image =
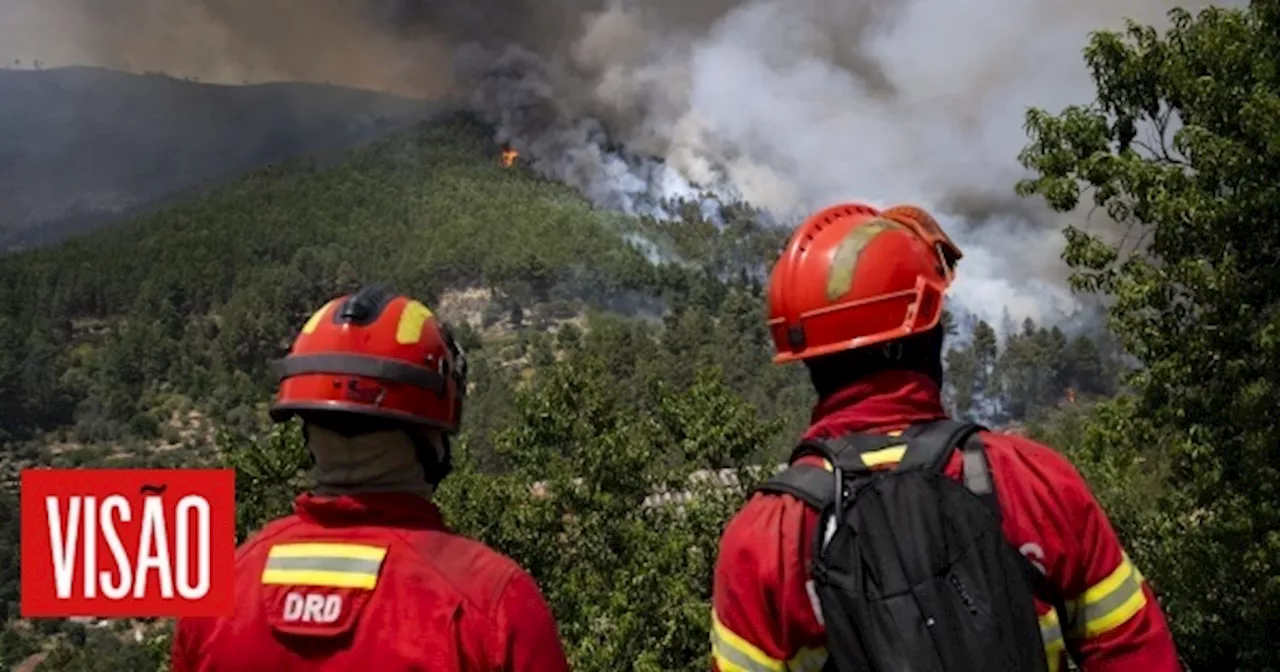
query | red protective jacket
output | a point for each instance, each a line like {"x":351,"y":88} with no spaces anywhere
{"x":765,"y":615}
{"x":373,"y":582}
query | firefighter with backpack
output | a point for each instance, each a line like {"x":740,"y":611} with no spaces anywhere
{"x":897,"y":539}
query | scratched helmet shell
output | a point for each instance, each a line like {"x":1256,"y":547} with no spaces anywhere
{"x":374,"y":353}
{"x":853,"y":276}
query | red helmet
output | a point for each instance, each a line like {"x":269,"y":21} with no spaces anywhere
{"x":374,"y":353}
{"x":853,"y":276}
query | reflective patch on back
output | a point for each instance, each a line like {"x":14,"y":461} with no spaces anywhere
{"x":332,"y":565}
{"x":319,"y":589}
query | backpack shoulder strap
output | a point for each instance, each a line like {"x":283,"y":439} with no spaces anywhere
{"x":815,"y":485}
{"x":844,"y":451}
{"x":810,"y":484}
{"x":929,"y":445}
{"x":976,"y":473}
{"x":977,"y":478}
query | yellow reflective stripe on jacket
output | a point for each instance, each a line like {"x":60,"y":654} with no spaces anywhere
{"x":1054,"y":643}
{"x":1109,"y":603}
{"x":892,"y":454}
{"x":332,"y":565}
{"x":735,"y":654}
{"x":878,"y":457}
{"x":808,"y":660}
{"x":875,"y":458}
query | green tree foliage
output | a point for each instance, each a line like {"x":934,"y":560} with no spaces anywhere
{"x":627,"y":581}
{"x":99,"y":649}
{"x":1181,"y":147}
{"x":1027,"y":376}
{"x":15,"y":647}
{"x":10,"y":557}
{"x":196,"y":298}
{"x":269,"y":473}
{"x":200,"y":295}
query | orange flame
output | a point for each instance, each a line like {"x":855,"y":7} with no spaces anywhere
{"x":509,"y":157}
{"x":1071,"y":395}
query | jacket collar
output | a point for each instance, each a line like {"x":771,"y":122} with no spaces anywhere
{"x":884,"y":401}
{"x":382,"y":509}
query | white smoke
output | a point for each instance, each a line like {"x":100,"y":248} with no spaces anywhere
{"x":792,"y":105}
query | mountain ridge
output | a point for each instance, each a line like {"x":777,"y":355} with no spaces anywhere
{"x":83,"y":147}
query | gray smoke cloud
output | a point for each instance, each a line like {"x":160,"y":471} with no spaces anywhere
{"x":787,"y":104}
{"x":796,"y":104}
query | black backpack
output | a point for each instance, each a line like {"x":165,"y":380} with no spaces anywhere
{"x":918,"y":575}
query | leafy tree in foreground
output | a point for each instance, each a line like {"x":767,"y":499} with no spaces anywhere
{"x":268,"y":475}
{"x":1183,"y":146}
{"x":100,"y":650}
{"x":627,"y":581}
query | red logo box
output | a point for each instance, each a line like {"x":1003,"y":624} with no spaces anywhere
{"x":135,"y":543}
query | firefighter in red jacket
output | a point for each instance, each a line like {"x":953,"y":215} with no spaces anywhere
{"x":857,"y":296}
{"x":364,"y":574}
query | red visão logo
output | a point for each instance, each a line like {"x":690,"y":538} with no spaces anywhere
{"x":128,"y":542}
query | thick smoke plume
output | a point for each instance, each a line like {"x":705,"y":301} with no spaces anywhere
{"x":796,"y":104}
{"x":787,"y":104}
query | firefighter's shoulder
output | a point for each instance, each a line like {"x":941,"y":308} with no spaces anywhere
{"x":259,"y":541}
{"x":1031,"y":460}
{"x":474,"y":571}
{"x":478,"y":573}
{"x":1039,"y":481}
{"x":756,"y":533}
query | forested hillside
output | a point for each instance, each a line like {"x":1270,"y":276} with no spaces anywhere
{"x":615,"y":358}
{"x":149,"y":343}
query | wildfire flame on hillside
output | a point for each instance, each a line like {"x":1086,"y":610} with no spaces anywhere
{"x":509,"y":156}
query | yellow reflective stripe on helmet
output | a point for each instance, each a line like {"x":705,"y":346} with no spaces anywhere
{"x":1054,"y":643}
{"x":332,"y":565}
{"x":844,"y":263}
{"x":314,"y":320}
{"x":735,"y":654}
{"x":412,"y":319}
{"x":1110,"y":602}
